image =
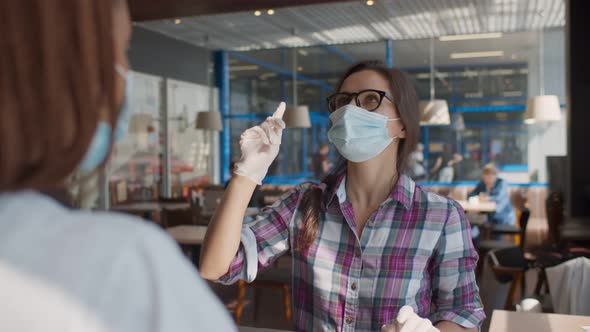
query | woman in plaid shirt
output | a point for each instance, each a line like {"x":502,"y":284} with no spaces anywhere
{"x":371,"y":249}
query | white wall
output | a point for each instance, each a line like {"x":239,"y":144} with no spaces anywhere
{"x":547,"y":139}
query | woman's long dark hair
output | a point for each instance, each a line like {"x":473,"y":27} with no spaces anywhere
{"x":406,"y":102}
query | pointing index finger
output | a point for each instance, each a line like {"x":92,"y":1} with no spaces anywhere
{"x":280,"y":111}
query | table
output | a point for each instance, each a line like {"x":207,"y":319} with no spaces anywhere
{"x":188,"y":235}
{"x":508,"y":321}
{"x":150,"y":206}
{"x":478,"y":207}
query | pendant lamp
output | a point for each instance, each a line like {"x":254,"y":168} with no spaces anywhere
{"x":434,"y":111}
{"x":542,"y":108}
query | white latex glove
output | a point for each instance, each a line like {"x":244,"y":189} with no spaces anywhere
{"x":408,"y":321}
{"x":260,"y":146}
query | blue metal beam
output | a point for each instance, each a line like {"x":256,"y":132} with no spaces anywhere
{"x":389,"y":53}
{"x":496,"y":108}
{"x":488,"y":124}
{"x":222,"y":82}
{"x":332,"y":49}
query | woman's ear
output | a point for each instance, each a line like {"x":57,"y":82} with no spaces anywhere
{"x":402,"y":132}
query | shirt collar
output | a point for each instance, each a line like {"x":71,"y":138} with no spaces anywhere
{"x":403,"y":191}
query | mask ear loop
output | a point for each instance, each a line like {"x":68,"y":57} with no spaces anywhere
{"x":396,"y":119}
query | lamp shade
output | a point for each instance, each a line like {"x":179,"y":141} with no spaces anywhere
{"x":140,"y":123}
{"x":297,"y":117}
{"x":434,"y":112}
{"x":209,"y":120}
{"x":542,"y":109}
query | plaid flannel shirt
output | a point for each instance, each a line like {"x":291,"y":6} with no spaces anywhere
{"x":415,"y":249}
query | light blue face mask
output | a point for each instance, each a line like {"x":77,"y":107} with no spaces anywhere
{"x":101,"y":142}
{"x":359,"y":135}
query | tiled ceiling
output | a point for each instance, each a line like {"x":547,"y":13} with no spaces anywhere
{"x":355,"y":21}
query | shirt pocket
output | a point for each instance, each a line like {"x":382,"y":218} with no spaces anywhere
{"x":402,"y":277}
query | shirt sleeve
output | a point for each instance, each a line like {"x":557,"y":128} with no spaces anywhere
{"x":264,"y":239}
{"x":154,"y":288}
{"x":455,"y":292}
{"x":501,"y":196}
{"x":478,"y":189}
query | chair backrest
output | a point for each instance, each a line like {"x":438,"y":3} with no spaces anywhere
{"x":554,"y":208}
{"x":505,"y":259}
{"x":193,"y":197}
{"x":211,"y":197}
{"x":171,"y":199}
{"x":523,"y":222}
{"x":177,"y":217}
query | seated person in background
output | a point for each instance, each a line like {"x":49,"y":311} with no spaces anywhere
{"x":444,"y":166}
{"x":493,"y":189}
{"x":416,"y":168}
{"x":64,"y":74}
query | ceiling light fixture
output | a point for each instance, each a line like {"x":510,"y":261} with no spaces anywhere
{"x":542,"y":108}
{"x":302,"y":52}
{"x":434,"y":111}
{"x":471,"y":36}
{"x":257,"y":13}
{"x":370,"y":2}
{"x":177,"y":21}
{"x":270,"y":12}
{"x":467,"y":55}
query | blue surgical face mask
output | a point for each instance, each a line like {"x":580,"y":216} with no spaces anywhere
{"x":359,"y":135}
{"x":101,"y":142}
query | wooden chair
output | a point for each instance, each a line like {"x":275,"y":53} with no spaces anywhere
{"x":271,"y":278}
{"x":211,"y":197}
{"x":181,"y":217}
{"x":554,"y":206}
{"x":171,"y":199}
{"x":509,"y":265}
{"x":488,"y":245}
{"x":518,"y":200}
{"x":178,"y":217}
{"x":523,"y":220}
{"x":196,"y":208}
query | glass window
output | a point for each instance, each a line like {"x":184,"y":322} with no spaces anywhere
{"x":135,"y":164}
{"x":191,"y":159}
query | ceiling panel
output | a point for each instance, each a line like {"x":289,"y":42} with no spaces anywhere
{"x":354,"y":21}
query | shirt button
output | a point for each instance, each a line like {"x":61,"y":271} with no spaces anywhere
{"x":353,"y":286}
{"x":348,"y":320}
{"x":357,"y":253}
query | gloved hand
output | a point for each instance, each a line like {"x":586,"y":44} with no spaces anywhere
{"x":260,"y":146}
{"x":408,"y":321}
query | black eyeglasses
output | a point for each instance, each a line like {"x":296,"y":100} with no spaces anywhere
{"x":369,"y":99}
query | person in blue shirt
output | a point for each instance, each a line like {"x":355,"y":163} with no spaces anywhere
{"x":492,"y":188}
{"x":64,"y":84}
